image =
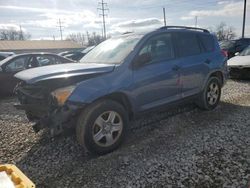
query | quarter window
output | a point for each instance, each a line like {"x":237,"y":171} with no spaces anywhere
{"x":44,"y":60}
{"x":207,"y":42}
{"x":187,"y":44}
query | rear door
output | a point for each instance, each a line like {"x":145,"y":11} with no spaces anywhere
{"x":156,"y":81}
{"x":194,"y":65}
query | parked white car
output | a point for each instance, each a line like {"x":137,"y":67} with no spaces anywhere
{"x":240,"y":64}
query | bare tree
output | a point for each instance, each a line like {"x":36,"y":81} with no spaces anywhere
{"x":88,"y":39}
{"x":224,"y":32}
{"x":77,"y":37}
{"x":12,"y":34}
{"x":95,"y":39}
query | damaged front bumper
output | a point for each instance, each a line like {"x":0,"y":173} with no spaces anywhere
{"x":57,"y":120}
{"x":43,"y":109}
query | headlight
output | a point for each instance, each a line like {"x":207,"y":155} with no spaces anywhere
{"x":62,"y":94}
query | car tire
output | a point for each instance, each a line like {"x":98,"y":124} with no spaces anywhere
{"x":210,"y":96}
{"x":101,"y":126}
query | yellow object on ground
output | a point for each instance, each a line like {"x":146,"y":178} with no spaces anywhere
{"x":12,"y":177}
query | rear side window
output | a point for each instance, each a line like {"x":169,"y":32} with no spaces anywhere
{"x":44,"y":60}
{"x":187,"y":44}
{"x":207,"y":42}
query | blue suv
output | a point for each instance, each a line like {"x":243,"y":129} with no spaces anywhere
{"x":120,"y":78}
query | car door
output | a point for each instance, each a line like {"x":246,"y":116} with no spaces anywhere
{"x":8,"y":81}
{"x":155,"y":82}
{"x":194,"y":65}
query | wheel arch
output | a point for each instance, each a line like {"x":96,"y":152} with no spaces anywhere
{"x":219,"y":75}
{"x":122,"y":99}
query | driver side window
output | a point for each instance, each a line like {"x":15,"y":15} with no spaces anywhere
{"x":159,"y":48}
{"x":16,"y":65}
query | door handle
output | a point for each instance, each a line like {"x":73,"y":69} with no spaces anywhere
{"x":207,"y":61}
{"x":176,"y":68}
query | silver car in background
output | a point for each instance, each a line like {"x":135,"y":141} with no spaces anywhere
{"x":240,"y":64}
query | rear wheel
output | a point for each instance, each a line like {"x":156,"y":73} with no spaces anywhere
{"x":101,"y":127}
{"x":210,"y":96}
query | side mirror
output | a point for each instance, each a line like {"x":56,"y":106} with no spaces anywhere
{"x":237,"y":53}
{"x":142,"y":59}
{"x":1,"y":69}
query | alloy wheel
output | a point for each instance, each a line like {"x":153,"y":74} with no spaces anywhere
{"x":107,"y":128}
{"x":213,"y":93}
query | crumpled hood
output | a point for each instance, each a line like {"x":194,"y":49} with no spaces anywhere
{"x":62,"y":71}
{"x":239,"y":61}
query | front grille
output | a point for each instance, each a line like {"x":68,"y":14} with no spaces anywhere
{"x":35,"y":92}
{"x":30,"y":94}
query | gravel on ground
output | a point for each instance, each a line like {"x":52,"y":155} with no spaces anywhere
{"x":178,"y":147}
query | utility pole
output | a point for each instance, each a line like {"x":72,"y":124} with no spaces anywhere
{"x":244,"y":18}
{"x":21,"y":33}
{"x":164,"y":16}
{"x":60,"y":28}
{"x":196,"y":21}
{"x":103,"y":10}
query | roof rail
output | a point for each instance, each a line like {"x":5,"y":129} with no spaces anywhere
{"x":184,"y":27}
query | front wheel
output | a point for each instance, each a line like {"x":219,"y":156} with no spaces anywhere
{"x":101,"y":127}
{"x":210,"y":96}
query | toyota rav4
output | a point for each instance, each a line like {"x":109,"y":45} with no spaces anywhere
{"x":120,"y":78}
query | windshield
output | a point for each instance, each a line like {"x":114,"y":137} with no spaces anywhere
{"x":111,"y":51}
{"x":245,"y":51}
{"x":226,"y":44}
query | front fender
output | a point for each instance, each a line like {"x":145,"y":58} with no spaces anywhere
{"x":92,"y":89}
{"x":86,"y":92}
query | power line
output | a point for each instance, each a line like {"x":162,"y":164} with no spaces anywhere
{"x":103,"y":9}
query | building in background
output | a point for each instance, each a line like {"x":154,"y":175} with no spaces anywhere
{"x":53,"y":46}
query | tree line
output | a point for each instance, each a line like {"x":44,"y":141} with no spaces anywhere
{"x":89,"y":39}
{"x":222,"y":31}
{"x":13,"y":34}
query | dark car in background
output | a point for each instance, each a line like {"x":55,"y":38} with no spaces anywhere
{"x":16,"y":63}
{"x":76,"y":55}
{"x":4,"y":55}
{"x":234,"y":46}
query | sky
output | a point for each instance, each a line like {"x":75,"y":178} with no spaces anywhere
{"x":41,"y":17}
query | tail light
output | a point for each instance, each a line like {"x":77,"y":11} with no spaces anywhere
{"x":224,"y":53}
